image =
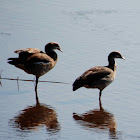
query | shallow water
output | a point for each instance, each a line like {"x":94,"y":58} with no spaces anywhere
{"x":87,"y":32}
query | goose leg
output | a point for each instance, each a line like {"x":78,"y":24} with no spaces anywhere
{"x":36,"y":83}
{"x":36,"y":96}
{"x":100,"y":104}
{"x":37,"y":101}
{"x":100,"y":94}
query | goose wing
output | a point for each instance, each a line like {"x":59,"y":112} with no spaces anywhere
{"x":39,"y":64}
{"x":91,"y":76}
{"x":40,"y":59}
{"x":28,"y":50}
{"x":95,"y":73}
{"x":26,"y":53}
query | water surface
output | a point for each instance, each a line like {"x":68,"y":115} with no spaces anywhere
{"x":87,"y":32}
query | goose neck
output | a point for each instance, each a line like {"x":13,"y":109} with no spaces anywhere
{"x":111,"y":63}
{"x":52,"y":54}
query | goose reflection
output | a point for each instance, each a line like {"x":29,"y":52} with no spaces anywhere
{"x":33,"y":117}
{"x":99,"y":119}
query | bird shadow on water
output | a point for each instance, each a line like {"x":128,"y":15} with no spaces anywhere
{"x":34,"y":117}
{"x":98,"y":120}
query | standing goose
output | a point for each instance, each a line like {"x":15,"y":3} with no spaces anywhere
{"x":99,"y":76}
{"x":34,"y":61}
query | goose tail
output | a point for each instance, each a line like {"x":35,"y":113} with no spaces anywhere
{"x":12,"y":61}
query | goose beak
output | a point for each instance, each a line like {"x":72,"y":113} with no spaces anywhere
{"x":60,"y":50}
{"x":123,"y":58}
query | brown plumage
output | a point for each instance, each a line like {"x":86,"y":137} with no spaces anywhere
{"x":36,"y":62}
{"x":100,"y":76}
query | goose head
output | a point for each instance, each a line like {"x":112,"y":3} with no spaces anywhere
{"x":114,"y":55}
{"x":52,"y":46}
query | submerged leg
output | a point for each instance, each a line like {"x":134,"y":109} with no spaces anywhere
{"x":100,"y":94}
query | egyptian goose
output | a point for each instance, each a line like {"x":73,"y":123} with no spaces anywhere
{"x":34,"y":61}
{"x":100,"y":76}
